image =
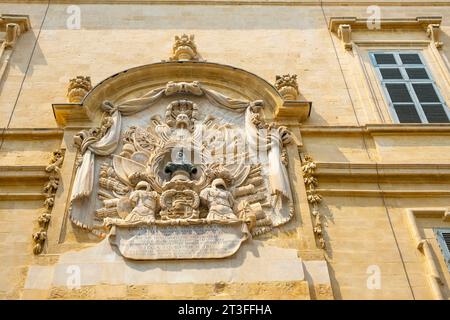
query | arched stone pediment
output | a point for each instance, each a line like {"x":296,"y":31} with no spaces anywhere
{"x":134,"y":82}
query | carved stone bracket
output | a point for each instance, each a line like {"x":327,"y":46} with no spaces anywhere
{"x":345,"y":34}
{"x":345,"y":26}
{"x":50,"y":189}
{"x":13,"y":26}
{"x":433,"y":32}
{"x":314,"y":199}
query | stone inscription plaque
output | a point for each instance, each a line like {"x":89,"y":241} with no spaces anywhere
{"x":203,"y":241}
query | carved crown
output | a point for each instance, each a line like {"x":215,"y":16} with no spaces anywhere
{"x":78,"y":88}
{"x":287,"y":86}
{"x":184,"y":48}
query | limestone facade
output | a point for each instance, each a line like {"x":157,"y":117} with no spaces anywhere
{"x":368,"y":193}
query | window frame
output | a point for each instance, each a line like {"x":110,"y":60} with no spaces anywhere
{"x":445,"y":250}
{"x":408,"y":83}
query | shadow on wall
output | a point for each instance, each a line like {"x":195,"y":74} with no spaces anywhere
{"x":20,"y":58}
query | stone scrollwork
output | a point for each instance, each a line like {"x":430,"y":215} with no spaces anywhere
{"x":311,"y":183}
{"x":50,"y":188}
{"x":185,"y":173}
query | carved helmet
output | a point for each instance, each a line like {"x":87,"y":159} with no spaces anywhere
{"x":142,"y":185}
{"x":217,"y":182}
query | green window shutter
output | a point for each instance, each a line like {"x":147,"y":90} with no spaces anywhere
{"x":443,"y":239}
{"x":407,"y":113}
{"x":425,"y":92}
{"x":410,"y":58}
{"x":385,"y":58}
{"x":417,"y":73}
{"x":398,"y":92}
{"x":391,"y":73}
{"x":435,"y":113}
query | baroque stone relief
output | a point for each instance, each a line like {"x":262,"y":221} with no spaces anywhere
{"x":54,"y":174}
{"x":166,"y":179}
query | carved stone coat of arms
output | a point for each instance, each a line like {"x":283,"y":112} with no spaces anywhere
{"x":181,"y":172}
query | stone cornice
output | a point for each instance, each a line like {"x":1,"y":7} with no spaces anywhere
{"x":362,"y":3}
{"x":31,"y":176}
{"x":385,"y":193}
{"x":401,"y":170}
{"x":404,"y":23}
{"x":31,"y":134}
{"x":23,"y":172}
{"x":344,"y":26}
{"x":378,"y":129}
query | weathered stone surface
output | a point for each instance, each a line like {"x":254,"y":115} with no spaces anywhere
{"x":179,"y":242}
{"x":370,"y":171}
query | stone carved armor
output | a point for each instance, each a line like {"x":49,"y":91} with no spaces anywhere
{"x":145,"y":203}
{"x":220,"y":201}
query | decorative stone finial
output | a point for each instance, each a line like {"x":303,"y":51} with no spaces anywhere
{"x":287,"y":86}
{"x":184,"y":49}
{"x":78,"y":88}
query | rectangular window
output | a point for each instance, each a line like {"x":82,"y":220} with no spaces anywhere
{"x":409,"y":88}
{"x":443,"y":238}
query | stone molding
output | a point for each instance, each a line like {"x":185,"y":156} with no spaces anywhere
{"x":378,"y":129}
{"x":360,"y":170}
{"x":344,"y":26}
{"x":357,"y":3}
{"x":215,"y":75}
